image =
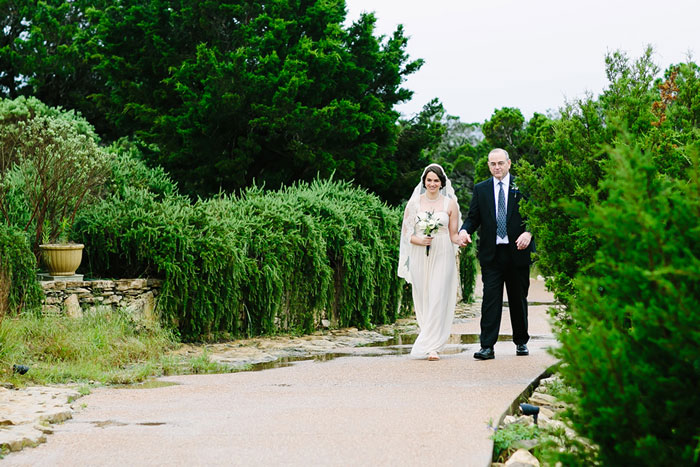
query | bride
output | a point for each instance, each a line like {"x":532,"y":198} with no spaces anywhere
{"x":429,"y":243}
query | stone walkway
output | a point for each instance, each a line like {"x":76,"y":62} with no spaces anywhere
{"x":26,"y":415}
{"x":379,"y":407}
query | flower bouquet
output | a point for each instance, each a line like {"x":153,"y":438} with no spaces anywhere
{"x":428,"y":224}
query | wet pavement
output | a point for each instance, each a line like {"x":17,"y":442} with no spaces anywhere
{"x":350,"y":405}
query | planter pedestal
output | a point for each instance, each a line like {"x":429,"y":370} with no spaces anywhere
{"x":45,"y":277}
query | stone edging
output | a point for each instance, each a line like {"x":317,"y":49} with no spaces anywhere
{"x":27,"y":414}
{"x":72,"y":298}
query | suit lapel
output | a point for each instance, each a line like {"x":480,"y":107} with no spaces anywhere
{"x":491,"y":199}
{"x":511,"y":200}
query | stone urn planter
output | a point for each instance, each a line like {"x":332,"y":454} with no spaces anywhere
{"x":62,"y":259}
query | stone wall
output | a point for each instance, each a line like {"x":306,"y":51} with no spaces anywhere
{"x":72,"y":298}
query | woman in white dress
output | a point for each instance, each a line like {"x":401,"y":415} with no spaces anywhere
{"x":429,"y":244}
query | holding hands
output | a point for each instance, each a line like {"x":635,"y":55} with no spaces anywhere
{"x":522,"y":242}
{"x":464,"y":238}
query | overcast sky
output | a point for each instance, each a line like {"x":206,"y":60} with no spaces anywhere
{"x":482,"y":55}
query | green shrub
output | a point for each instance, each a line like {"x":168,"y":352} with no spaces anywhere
{"x":50,"y":165}
{"x":128,"y":169}
{"x":468,"y":270}
{"x":19,"y":289}
{"x":261,"y":262}
{"x":631,"y":350}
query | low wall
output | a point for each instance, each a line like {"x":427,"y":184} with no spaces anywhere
{"x":72,"y":298}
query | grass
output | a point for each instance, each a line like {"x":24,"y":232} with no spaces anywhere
{"x":509,"y":434}
{"x":105,"y":347}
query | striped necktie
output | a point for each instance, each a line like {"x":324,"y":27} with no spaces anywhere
{"x":501,"y":215}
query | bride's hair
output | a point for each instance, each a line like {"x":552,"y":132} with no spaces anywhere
{"x":437,"y":170}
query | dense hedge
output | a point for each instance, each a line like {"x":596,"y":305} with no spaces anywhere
{"x":632,"y":346}
{"x":19,"y":288}
{"x":261,"y":262}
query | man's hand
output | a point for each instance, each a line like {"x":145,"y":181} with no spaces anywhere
{"x":464,"y":238}
{"x":523,"y":240}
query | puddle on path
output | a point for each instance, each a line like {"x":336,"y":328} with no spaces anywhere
{"x":110,"y":423}
{"x":409,"y":339}
{"x":150,"y":384}
{"x":399,"y":345}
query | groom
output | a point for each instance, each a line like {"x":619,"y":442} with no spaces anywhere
{"x":504,"y":253}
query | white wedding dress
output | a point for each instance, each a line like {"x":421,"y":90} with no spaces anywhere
{"x":434,"y":280}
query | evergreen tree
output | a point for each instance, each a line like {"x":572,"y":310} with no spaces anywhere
{"x":573,"y":151}
{"x":631,"y":349}
{"x":416,"y":137}
{"x":220,"y":93}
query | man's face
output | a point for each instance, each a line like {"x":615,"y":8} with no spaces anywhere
{"x":499,"y":165}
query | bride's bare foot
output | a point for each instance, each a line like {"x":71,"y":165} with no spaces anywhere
{"x":433,"y":357}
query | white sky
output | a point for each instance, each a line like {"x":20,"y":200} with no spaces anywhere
{"x":481,"y":55}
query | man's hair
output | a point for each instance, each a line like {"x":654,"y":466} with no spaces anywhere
{"x":495,"y":150}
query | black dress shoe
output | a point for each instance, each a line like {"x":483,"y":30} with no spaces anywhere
{"x":522,"y":350}
{"x":486,"y":353}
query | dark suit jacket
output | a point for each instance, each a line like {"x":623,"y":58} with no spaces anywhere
{"x":482,"y":213}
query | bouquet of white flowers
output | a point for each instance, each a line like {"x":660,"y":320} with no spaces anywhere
{"x":428,"y":224}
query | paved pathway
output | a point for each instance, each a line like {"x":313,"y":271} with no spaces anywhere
{"x":387,"y":410}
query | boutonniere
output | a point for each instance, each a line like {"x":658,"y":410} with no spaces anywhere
{"x":516,"y":192}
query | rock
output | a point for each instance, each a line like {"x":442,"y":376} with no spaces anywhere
{"x":547,"y":413}
{"x":72,"y":308}
{"x":130,"y":284}
{"x":20,"y":437}
{"x":26,"y":414}
{"x":112,"y":299}
{"x":50,"y":310}
{"x":526,"y":444}
{"x":548,"y":381}
{"x":538,"y":398}
{"x":44,"y":429}
{"x":558,"y":424}
{"x":522,"y":458}
{"x":143,"y":308}
{"x":525,"y":420}
{"x":149,"y":307}
{"x":56,"y":415}
{"x":508,"y":419}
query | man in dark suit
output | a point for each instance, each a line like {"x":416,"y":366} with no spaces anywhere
{"x":504,"y":253}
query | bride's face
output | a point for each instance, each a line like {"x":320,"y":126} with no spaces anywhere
{"x":432,"y":183}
